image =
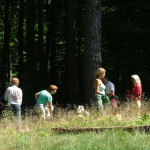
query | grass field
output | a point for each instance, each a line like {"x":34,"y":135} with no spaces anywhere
{"x":44,"y":140}
{"x":40,"y":136}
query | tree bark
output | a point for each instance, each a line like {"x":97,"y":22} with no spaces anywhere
{"x":53,"y":40}
{"x":41,"y":52}
{"x":80,"y":43}
{"x":71,"y":53}
{"x":6,"y":58}
{"x":30,"y":66}
{"x":92,"y":56}
{"x":20,"y":39}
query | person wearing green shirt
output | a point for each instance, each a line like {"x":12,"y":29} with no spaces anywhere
{"x":44,"y":100}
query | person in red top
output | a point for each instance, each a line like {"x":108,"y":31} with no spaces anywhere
{"x":136,"y":92}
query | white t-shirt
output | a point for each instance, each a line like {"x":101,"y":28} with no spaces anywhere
{"x":13,"y":95}
{"x":109,"y":87}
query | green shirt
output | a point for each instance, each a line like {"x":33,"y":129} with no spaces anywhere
{"x":44,"y":97}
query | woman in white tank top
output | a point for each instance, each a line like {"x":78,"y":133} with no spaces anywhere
{"x":99,"y":87}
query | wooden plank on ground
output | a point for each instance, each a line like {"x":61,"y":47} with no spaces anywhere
{"x":144,"y":128}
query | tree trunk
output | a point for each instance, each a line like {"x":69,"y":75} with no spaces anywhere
{"x":43,"y":64}
{"x":30,"y":68}
{"x":80,"y":43}
{"x":71,"y":53}
{"x":92,"y":57}
{"x":53,"y":40}
{"x":41,"y":53}
{"x":20,"y":39}
{"x":6,"y":58}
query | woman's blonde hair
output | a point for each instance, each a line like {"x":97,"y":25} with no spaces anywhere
{"x":100,"y":71}
{"x":136,"y":78}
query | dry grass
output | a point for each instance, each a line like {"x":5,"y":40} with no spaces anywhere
{"x":40,"y":136}
{"x":70,"y":118}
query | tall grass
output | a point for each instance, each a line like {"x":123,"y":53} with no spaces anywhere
{"x":40,"y":136}
{"x":44,"y":140}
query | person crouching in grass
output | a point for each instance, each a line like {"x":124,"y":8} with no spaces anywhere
{"x":110,"y":92}
{"x":44,"y":101}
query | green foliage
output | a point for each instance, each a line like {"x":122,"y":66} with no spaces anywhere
{"x":124,"y":43}
{"x":110,"y":140}
{"x":144,"y":119}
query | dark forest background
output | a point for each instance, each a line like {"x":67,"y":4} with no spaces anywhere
{"x":63,"y":42}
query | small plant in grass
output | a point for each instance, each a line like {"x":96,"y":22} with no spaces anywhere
{"x":143,"y":120}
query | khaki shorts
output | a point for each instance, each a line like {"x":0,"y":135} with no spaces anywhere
{"x":136,"y":103}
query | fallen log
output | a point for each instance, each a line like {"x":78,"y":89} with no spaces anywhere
{"x":143,"y":128}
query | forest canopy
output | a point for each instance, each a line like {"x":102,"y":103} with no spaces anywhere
{"x":63,"y":42}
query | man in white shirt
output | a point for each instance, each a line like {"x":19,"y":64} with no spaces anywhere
{"x":110,"y":88}
{"x":110,"y":92}
{"x":13,"y":95}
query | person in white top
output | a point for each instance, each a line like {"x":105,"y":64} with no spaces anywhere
{"x":110,"y":88}
{"x":13,"y":95}
{"x":99,"y":87}
{"x":110,"y":92}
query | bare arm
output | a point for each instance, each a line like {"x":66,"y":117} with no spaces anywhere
{"x":112,"y":93}
{"x":6,"y":95}
{"x":49,"y":105}
{"x":2,"y":104}
{"x":37,"y":95}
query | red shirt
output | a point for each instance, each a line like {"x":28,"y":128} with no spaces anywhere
{"x":137,"y":91}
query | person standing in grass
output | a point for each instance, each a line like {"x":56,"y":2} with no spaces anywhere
{"x":136,"y":92}
{"x":99,"y":87}
{"x":44,"y":100}
{"x":13,"y":95}
{"x":110,"y":92}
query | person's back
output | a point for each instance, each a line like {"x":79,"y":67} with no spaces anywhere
{"x":44,"y":101}
{"x":13,"y":95}
{"x":44,"y":97}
